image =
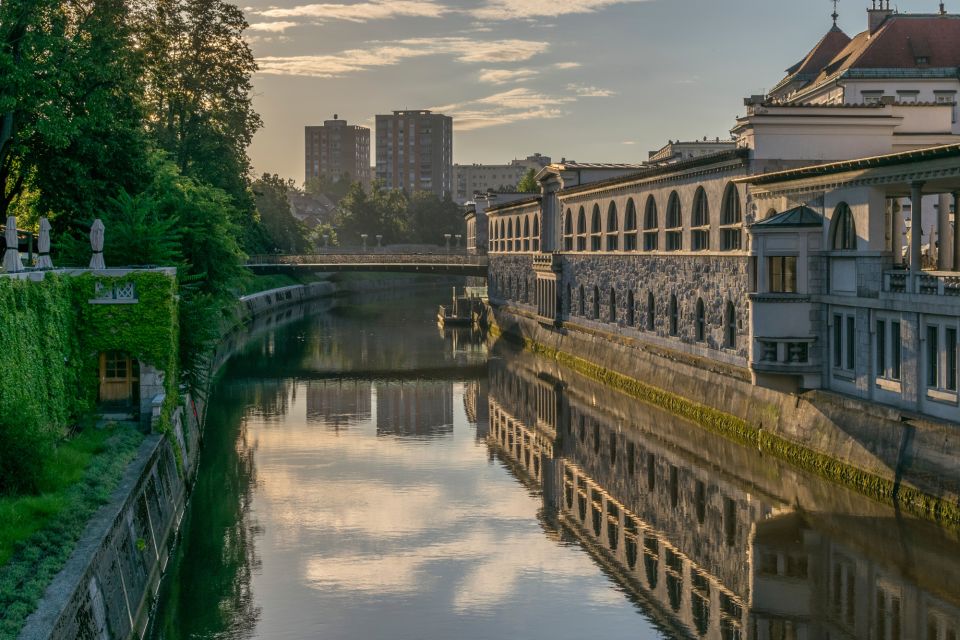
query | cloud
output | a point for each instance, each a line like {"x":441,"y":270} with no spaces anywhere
{"x":590,"y":92}
{"x":566,"y":65}
{"x":628,"y":142}
{"x":359,"y":12}
{"x":384,"y":54}
{"x":506,"y":107}
{"x":503,"y":76}
{"x":271,"y":27}
{"x":514,"y":9}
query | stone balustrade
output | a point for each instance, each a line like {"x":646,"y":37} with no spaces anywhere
{"x":933,"y":283}
{"x":442,"y":257}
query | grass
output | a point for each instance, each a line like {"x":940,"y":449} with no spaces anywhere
{"x":38,"y":533}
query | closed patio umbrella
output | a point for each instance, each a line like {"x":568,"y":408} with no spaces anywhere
{"x":96,"y":243}
{"x":11,"y":257}
{"x":43,"y":246}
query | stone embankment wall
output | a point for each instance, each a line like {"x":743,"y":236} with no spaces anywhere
{"x":873,"y":449}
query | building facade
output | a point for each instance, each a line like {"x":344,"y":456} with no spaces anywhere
{"x":787,"y":257}
{"x":470,"y":179}
{"x":336,"y":150}
{"x":415,"y":152}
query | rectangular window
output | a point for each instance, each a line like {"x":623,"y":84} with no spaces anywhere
{"x":783,"y":274}
{"x":933,"y":353}
{"x":881,"y":338}
{"x":951,"y":353}
{"x":851,"y":342}
{"x":837,"y":340}
{"x":895,"y":350}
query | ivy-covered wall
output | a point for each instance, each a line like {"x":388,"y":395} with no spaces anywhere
{"x":50,"y":341}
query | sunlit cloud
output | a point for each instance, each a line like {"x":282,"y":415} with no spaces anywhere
{"x":359,"y":12}
{"x":385,"y":54}
{"x":566,"y":65}
{"x":515,"y":105}
{"x":271,"y":27}
{"x":590,"y":92}
{"x":514,"y":9}
{"x":503,"y":76}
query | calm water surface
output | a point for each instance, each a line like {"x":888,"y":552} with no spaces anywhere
{"x":366,"y":476}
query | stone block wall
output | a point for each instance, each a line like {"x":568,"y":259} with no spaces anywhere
{"x":512,"y":279}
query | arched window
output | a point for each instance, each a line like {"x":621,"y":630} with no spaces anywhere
{"x":731,"y":220}
{"x":843,"y":231}
{"x":651,"y":311}
{"x":510,"y":235}
{"x":596,"y":303}
{"x":613,"y":228}
{"x":674,"y":226}
{"x":729,"y":326}
{"x":535,"y":240}
{"x":700,"y":223}
{"x":674,"y":315}
{"x":701,"y":321}
{"x":630,"y":227}
{"x":568,"y":231}
{"x":631,"y":311}
{"x":613,"y":306}
{"x":651,"y":227}
{"x":581,"y":230}
{"x":596,"y":229}
{"x":526,"y":233}
{"x":583,"y":302}
{"x":503,"y":236}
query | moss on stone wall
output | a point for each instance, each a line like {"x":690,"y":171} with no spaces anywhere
{"x":735,"y":428}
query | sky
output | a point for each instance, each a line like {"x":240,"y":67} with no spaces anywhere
{"x":588,"y":80}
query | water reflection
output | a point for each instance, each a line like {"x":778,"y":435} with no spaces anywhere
{"x":708,"y":538}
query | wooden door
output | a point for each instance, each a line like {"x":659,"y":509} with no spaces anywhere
{"x":119,"y":379}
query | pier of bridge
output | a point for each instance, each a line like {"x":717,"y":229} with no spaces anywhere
{"x":456,"y":264}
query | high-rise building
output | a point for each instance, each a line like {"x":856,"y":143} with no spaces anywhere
{"x":337,"y":149}
{"x":415,"y":151}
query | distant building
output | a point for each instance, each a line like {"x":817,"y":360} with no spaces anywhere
{"x":312,"y":210}
{"x":415,"y":151}
{"x":677,"y":150}
{"x":469,"y":179}
{"x":337,"y":149}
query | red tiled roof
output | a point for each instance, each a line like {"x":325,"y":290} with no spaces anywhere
{"x":826,"y":50}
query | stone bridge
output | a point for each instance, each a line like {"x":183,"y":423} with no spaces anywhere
{"x":452,"y":263}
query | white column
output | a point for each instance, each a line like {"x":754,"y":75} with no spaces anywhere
{"x":944,"y":254}
{"x":916,"y":228}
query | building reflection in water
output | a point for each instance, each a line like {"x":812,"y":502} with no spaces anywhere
{"x":337,"y":404}
{"x":420,"y":408}
{"x":708,"y":538}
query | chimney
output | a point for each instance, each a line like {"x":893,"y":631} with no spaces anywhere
{"x":877,"y":14}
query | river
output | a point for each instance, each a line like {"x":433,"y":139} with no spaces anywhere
{"x":366,"y":475}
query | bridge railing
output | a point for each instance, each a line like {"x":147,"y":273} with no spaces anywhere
{"x":451,"y":258}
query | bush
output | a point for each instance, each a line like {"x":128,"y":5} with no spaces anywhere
{"x":23,"y":451}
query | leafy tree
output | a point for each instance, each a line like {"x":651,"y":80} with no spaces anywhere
{"x":379,"y":212}
{"x":528,"y":183}
{"x":335,"y":189}
{"x":139,"y":234}
{"x":286,"y":233}
{"x":430,"y":217}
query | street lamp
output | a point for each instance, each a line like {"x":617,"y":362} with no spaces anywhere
{"x":458,"y":236}
{"x":326,"y":239}
{"x":379,"y":238}
{"x":447,"y":236}
{"x":363,"y":237}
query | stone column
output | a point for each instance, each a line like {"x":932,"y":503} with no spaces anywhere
{"x":916,"y":228}
{"x":956,"y":230}
{"x":897,"y":232}
{"x":944,"y":254}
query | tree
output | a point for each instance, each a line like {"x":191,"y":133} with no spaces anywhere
{"x":430,"y":217}
{"x":286,"y":233}
{"x":528,"y":183}
{"x":335,"y":189}
{"x":380,"y":212}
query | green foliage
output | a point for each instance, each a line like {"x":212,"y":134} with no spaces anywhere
{"x":528,"y":183}
{"x":430,"y":217}
{"x":335,"y":189}
{"x":422,"y":218}
{"x":64,"y":513}
{"x":139,"y":235}
{"x":286,"y":233}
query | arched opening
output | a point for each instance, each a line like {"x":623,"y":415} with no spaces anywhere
{"x":526,"y":290}
{"x":510,"y":235}
{"x":700,"y":222}
{"x":651,"y":227}
{"x":581,"y":230}
{"x":700,"y":321}
{"x":731,"y":220}
{"x":526,"y":233}
{"x":596,"y":229}
{"x":651,"y":311}
{"x":583,"y":303}
{"x":630,"y":308}
{"x":596,"y":303}
{"x":568,"y":302}
{"x":568,"y":231}
{"x":535,"y":240}
{"x":674,"y":315}
{"x":729,"y":326}
{"x":119,"y":382}
{"x":630,"y":227}
{"x":612,"y":317}
{"x":843,"y":231}
{"x":674,"y":224}
{"x":613,"y":228}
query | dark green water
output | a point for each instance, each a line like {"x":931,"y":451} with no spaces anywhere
{"x":366,"y":476}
